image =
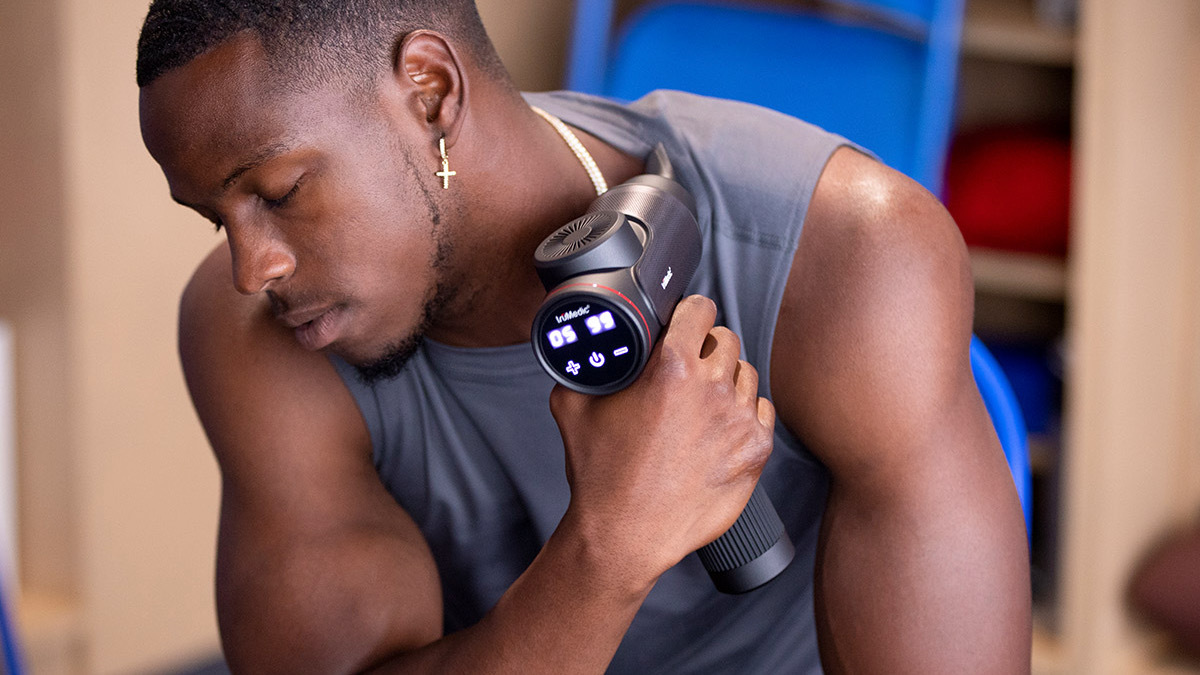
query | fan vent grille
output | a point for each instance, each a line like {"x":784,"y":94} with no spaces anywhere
{"x":576,"y":235}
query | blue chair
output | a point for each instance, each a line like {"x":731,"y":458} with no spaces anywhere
{"x":880,"y":73}
{"x":1002,"y":406}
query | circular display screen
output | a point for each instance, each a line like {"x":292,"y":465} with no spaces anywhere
{"x":589,"y":343}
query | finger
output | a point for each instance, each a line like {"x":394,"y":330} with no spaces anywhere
{"x":721,"y":351}
{"x":693,"y":318}
{"x":722,"y":341}
{"x":766,"y":413}
{"x":746,"y":381}
{"x":710,"y":343}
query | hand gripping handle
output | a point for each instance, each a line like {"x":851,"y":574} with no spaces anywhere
{"x":752,"y":552}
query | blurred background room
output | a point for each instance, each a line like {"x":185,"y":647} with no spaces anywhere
{"x":1073,"y":169}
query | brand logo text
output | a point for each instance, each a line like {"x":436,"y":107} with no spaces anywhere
{"x":574,"y":314}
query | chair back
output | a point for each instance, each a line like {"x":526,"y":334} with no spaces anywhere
{"x":1003,"y":408}
{"x":880,"y":73}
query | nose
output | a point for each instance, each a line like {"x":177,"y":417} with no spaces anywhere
{"x":260,"y":260}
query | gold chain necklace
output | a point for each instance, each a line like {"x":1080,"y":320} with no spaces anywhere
{"x":581,"y":153}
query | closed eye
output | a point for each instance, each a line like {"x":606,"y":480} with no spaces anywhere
{"x":205,"y":213}
{"x":280,"y":202}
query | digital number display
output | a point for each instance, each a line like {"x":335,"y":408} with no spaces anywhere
{"x":589,"y":343}
{"x":601,"y":322}
{"x":564,"y":336}
{"x":596,"y":324}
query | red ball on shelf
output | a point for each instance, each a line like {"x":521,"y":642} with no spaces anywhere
{"x":1011,"y":189}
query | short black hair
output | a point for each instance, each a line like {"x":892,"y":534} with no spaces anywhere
{"x":312,"y":39}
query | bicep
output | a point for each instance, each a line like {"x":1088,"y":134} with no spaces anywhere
{"x":318,"y":568}
{"x":871,"y":362}
{"x":875,"y":324}
{"x":922,"y":535}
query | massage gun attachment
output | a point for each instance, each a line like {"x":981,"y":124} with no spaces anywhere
{"x":613,"y":277}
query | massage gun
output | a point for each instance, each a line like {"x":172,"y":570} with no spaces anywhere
{"x":614,"y":276}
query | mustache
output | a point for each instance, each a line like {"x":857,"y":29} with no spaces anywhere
{"x":281,"y":305}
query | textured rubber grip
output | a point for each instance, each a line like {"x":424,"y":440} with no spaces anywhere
{"x":752,"y":552}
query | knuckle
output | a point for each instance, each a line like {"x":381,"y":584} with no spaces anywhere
{"x":756,"y":451}
{"x":726,"y":337}
{"x":721,"y":389}
{"x":747,"y":382}
{"x":722,"y":333}
{"x":766,"y":416}
{"x":747,"y":371}
{"x":758,"y":460}
{"x":667,"y":375}
{"x":672,"y":362}
{"x":767,"y":410}
{"x":749,"y":460}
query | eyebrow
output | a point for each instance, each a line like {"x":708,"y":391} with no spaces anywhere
{"x":265,"y":155}
{"x":262,"y":157}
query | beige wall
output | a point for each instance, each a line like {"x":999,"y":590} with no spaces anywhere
{"x":32,"y":281}
{"x":1134,"y":440}
{"x":531,"y":36}
{"x":147,"y":483}
{"x":118,"y":492}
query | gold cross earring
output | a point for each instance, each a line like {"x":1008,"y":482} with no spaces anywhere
{"x":445,"y":173}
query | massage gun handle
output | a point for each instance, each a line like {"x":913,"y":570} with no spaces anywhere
{"x":752,"y":552}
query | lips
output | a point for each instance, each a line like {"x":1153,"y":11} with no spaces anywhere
{"x":319,"y":331}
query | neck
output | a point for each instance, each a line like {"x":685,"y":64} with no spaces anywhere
{"x":521,"y":182}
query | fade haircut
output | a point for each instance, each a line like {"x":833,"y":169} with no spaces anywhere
{"x":314,"y":41}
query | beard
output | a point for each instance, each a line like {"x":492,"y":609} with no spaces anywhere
{"x":392,"y":362}
{"x":397,"y":354}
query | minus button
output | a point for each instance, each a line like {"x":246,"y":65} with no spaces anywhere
{"x":621,"y":351}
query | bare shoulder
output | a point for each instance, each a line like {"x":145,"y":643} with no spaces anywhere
{"x":217,"y":324}
{"x":247,"y":375}
{"x":922,"y":535}
{"x":308,"y":534}
{"x":871,"y":348}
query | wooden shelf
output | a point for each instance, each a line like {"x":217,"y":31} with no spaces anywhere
{"x":1021,"y":275}
{"x":1008,"y":30}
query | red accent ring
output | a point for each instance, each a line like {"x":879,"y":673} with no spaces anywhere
{"x":613,"y":290}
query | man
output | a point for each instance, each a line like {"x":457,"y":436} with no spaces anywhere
{"x":393,"y":492}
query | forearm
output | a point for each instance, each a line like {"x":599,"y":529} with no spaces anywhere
{"x":567,"y":613}
{"x":350,"y":585}
{"x":930,"y":582}
{"x":333,"y":606}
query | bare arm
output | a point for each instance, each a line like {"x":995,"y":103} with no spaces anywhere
{"x":923,"y":563}
{"x":320,"y":571}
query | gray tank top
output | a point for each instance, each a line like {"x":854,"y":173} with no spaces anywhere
{"x":464,"y":439}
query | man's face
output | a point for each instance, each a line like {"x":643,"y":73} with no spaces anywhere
{"x":322,"y":202}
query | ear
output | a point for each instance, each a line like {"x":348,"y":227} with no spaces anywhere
{"x":432,"y":73}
